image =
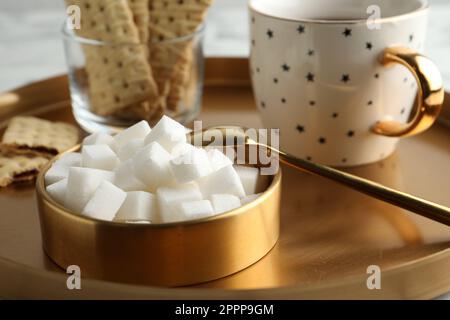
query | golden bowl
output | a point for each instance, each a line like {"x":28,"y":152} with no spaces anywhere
{"x":170,"y":254}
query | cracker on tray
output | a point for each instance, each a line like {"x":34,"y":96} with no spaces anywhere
{"x":30,"y":135}
{"x":15,"y":168}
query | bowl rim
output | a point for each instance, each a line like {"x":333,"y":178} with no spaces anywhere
{"x":42,"y":193}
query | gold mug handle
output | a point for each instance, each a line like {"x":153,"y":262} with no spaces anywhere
{"x":430,"y":94}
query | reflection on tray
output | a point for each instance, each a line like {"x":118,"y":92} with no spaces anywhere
{"x":329,"y":232}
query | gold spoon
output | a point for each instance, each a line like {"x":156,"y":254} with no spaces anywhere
{"x":238,"y":136}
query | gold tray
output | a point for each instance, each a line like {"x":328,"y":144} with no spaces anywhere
{"x":329,"y":234}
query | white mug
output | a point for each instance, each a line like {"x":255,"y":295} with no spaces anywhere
{"x":339,"y":77}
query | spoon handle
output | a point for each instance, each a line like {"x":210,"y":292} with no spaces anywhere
{"x":403,"y":200}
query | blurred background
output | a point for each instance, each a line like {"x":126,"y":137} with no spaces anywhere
{"x":31,"y":48}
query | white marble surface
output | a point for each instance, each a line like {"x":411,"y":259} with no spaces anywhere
{"x":31,"y":48}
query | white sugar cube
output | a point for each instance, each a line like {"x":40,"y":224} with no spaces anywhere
{"x":60,"y":168}
{"x":99,"y":157}
{"x":191,"y":165}
{"x":153,"y":149}
{"x":251,"y":179}
{"x":168,"y":133}
{"x":57,"y":191}
{"x":224,"y":180}
{"x":138,"y":206}
{"x":99,"y":138}
{"x":180,"y":149}
{"x":81,"y":185}
{"x":125,"y":179}
{"x":168,"y":198}
{"x":223,"y":155}
{"x":250,"y":198}
{"x":56,"y":173}
{"x":152,"y":167}
{"x":224,"y":202}
{"x":129,"y":149}
{"x":218,"y":159}
{"x":137,"y":131}
{"x":196,"y":209}
{"x":70,"y":159}
{"x":105,"y":202}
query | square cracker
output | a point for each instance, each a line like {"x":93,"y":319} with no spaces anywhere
{"x":30,"y":134}
{"x":118,"y":71}
{"x":19,"y":168}
{"x":172,"y":62}
{"x":141,"y":17}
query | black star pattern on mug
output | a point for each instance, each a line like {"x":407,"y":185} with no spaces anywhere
{"x":308,"y":158}
{"x":369,"y":45}
{"x":283,"y":100}
{"x":345,"y":78}
{"x":300,"y":128}
{"x":350,"y":133}
{"x":310,"y":77}
{"x":402,"y":111}
{"x":335,"y":115}
{"x":253,"y":42}
{"x":269,"y":33}
{"x":301,"y":29}
{"x":275,"y":80}
{"x":344,"y":160}
{"x":263,"y":104}
{"x":258,"y":69}
{"x":376,"y":75}
{"x":347,"y":32}
{"x":370,"y":102}
{"x":285,"y":67}
{"x":322,"y":140}
{"x":312,"y":103}
{"x":411,"y":38}
{"x":253,"y":19}
{"x":310,"y":52}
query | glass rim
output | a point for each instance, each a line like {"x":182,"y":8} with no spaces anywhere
{"x":82,"y":40}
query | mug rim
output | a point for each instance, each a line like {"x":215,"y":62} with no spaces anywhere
{"x":425,"y":6}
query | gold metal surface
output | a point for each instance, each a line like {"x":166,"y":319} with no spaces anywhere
{"x":430,"y":93}
{"x":329,"y":234}
{"x":428,"y":209}
{"x":169,"y":254}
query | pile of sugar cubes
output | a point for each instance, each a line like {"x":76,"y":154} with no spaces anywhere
{"x":144,"y":175}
